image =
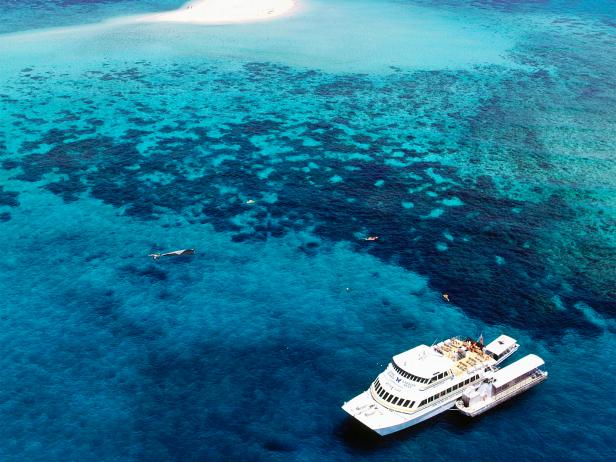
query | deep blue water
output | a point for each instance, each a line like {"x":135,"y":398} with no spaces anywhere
{"x":476,"y":139}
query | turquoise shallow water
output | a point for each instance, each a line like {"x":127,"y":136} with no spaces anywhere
{"x":476,"y":140}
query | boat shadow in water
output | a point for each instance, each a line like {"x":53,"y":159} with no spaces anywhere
{"x":359,"y":438}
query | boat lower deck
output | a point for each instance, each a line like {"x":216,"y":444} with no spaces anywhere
{"x":483,"y":406}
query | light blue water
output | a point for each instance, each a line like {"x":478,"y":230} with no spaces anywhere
{"x":476,"y":140}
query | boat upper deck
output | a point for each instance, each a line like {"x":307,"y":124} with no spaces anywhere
{"x":473,"y":358}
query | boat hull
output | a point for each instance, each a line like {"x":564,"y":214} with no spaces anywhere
{"x":384,"y":421}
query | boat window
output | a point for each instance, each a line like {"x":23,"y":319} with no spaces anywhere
{"x":391,"y":397}
{"x":386,"y":395}
{"x":394,"y":401}
{"x":422,"y":403}
{"x":449,"y":390}
{"x":406,"y":403}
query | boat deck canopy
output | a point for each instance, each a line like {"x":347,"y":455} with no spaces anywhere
{"x":519,"y":368}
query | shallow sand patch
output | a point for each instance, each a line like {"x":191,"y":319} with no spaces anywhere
{"x":223,"y":12}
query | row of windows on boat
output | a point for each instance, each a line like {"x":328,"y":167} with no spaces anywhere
{"x":414,"y":378}
{"x":391,"y":398}
{"x":408,"y":403}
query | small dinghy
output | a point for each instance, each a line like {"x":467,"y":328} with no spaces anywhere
{"x":175,"y":253}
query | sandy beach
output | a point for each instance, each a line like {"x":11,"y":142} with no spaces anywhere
{"x":223,"y":12}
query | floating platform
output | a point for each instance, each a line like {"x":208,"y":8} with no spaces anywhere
{"x":502,"y":385}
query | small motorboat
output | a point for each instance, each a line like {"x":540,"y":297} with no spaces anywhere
{"x":175,"y":253}
{"x":371,"y":238}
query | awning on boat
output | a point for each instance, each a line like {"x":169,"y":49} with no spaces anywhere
{"x":522,"y":367}
{"x":501,"y":344}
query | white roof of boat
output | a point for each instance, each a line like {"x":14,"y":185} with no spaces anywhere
{"x":500,"y":344}
{"x":514,"y":370}
{"x":423,"y":361}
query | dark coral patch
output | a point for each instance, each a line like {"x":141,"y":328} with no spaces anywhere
{"x":8,"y":198}
{"x":362,"y":155}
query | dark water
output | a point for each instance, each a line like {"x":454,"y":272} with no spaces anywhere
{"x":488,"y":173}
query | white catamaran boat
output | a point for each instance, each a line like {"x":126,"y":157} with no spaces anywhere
{"x":425,"y":381}
{"x":502,"y":385}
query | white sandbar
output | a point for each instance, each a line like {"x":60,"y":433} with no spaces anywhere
{"x":223,"y":12}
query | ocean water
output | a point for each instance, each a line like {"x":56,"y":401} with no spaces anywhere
{"x":476,"y":139}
